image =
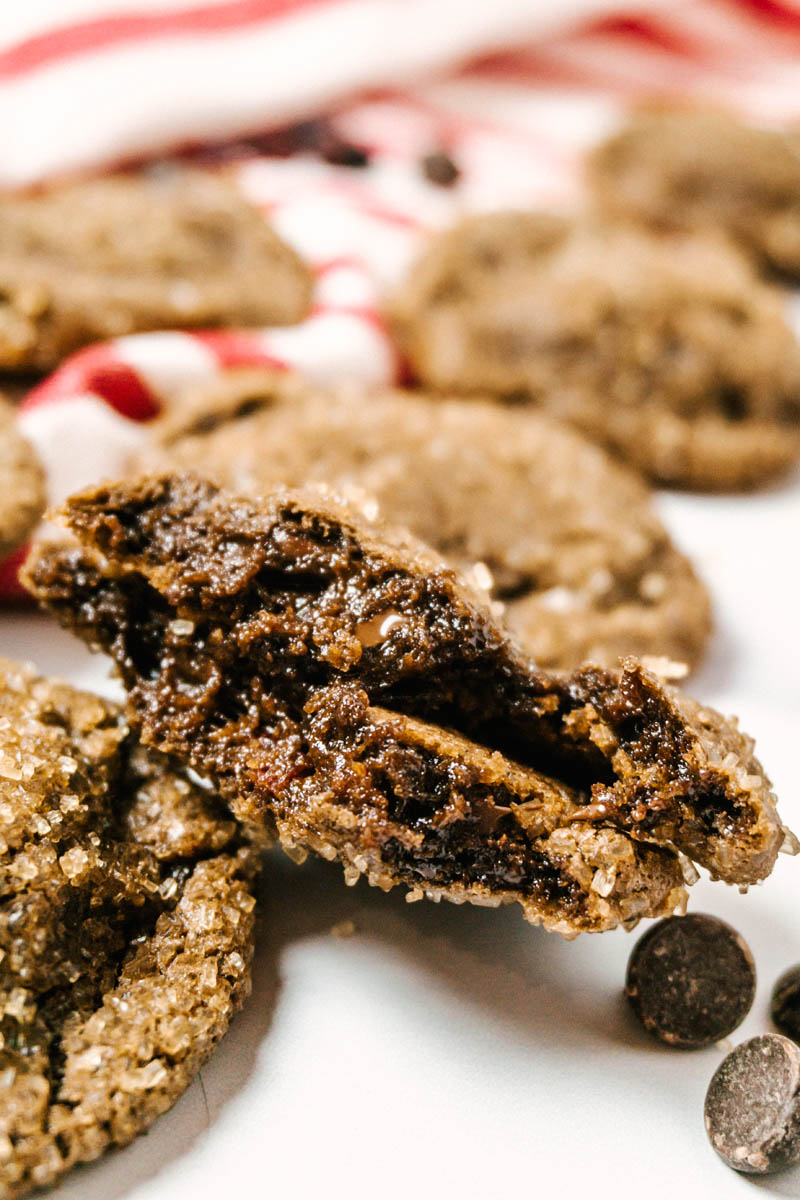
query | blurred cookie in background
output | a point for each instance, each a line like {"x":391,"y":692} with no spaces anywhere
{"x":669,"y":351}
{"x":22,"y":485}
{"x":105,"y":257}
{"x":565,"y":540}
{"x":687,"y":168}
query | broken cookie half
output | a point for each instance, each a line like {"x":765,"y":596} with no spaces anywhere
{"x":338,"y":680}
{"x":126,"y":929}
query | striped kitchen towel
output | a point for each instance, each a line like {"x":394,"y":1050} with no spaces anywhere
{"x":513,"y":92}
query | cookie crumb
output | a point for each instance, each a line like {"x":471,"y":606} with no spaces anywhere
{"x":665,"y":668}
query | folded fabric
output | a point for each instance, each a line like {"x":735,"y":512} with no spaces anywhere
{"x":515,"y":123}
{"x":216,"y":69}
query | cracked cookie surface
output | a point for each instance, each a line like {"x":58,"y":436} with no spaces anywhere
{"x":669,"y":351}
{"x":338,"y":679}
{"x":99,"y":259}
{"x":562,"y":537}
{"x":126,"y":929}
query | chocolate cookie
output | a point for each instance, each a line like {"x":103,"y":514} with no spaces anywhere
{"x":102,"y":258}
{"x":667,"y":350}
{"x":126,"y":929}
{"x":339,"y":679}
{"x":701,"y":169}
{"x":565,"y":540}
{"x":22,"y":486}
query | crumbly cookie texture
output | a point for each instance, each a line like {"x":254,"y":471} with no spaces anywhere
{"x":668,"y":350}
{"x":564,"y":540}
{"x":22,"y":486}
{"x":106,"y":257}
{"x":126,"y":929}
{"x":341,"y":680}
{"x":703,"y":169}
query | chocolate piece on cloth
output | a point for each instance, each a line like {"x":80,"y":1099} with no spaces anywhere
{"x":126,"y":929}
{"x":691,"y":980}
{"x":752,"y":1108}
{"x":336,"y":678}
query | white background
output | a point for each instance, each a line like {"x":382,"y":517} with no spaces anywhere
{"x":456,"y":1052}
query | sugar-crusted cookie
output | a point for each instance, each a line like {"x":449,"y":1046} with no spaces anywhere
{"x":126,"y":929}
{"x":667,"y":350}
{"x":98,"y":259}
{"x":701,"y":169}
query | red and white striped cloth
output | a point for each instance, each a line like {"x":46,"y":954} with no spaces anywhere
{"x":516,"y":120}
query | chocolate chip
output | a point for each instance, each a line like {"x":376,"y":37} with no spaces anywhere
{"x":691,"y":980}
{"x":344,"y":154}
{"x":785,"y":1003}
{"x":440,"y":169}
{"x":752,"y":1109}
{"x":316,"y":136}
{"x":288,"y":140}
{"x":332,"y":148}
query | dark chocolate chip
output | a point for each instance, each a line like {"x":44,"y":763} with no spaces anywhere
{"x":785,"y":1003}
{"x":344,"y":154}
{"x":440,"y":169}
{"x":752,"y":1109}
{"x":288,"y":140}
{"x":691,"y":980}
{"x":317,"y":136}
{"x":330,"y":146}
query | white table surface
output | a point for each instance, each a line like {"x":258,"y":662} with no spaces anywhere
{"x":456,"y":1052}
